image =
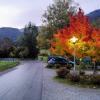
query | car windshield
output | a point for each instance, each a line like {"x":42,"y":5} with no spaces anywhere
{"x":60,"y":59}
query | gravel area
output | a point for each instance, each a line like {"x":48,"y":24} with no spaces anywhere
{"x":53,"y":90}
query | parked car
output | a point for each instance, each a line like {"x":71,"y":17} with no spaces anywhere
{"x":59,"y":60}
{"x":71,"y":63}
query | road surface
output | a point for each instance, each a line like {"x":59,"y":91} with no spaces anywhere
{"x":23,"y":83}
{"x":32,"y":81}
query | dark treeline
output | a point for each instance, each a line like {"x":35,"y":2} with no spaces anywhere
{"x":24,"y":47}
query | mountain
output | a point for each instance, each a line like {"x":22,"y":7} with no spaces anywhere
{"x":94,"y":15}
{"x":94,"y":18}
{"x":12,"y":33}
{"x":21,"y":30}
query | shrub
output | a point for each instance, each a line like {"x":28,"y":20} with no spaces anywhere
{"x":95,"y":79}
{"x":57,"y":65}
{"x":50,"y":66}
{"x":62,"y":72}
{"x":69,"y":66}
{"x":65,"y":65}
{"x":73,"y":77}
{"x":85,"y":79}
{"x":40,"y":58}
{"x":81,"y":72}
{"x":82,"y":66}
{"x":45,"y":58}
{"x":90,"y":79}
{"x":54,"y":66}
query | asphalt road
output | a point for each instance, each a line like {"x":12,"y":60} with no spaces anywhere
{"x":31,"y":81}
{"x":23,"y":83}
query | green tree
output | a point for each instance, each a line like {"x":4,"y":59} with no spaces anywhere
{"x":6,"y":46}
{"x":96,"y":23}
{"x":42,"y":39}
{"x":28,"y":39}
{"x":23,"y":52}
{"x":19,"y":52}
{"x":56,"y":15}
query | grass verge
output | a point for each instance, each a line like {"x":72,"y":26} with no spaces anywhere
{"x":77,"y":84}
{"x":4,"y":65}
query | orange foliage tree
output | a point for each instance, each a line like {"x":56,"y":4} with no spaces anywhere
{"x":88,"y":43}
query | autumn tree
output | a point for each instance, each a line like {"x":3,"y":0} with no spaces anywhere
{"x":88,"y":43}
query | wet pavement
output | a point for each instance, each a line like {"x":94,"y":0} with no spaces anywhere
{"x":22,"y":83}
{"x":32,"y":81}
{"x":53,"y":90}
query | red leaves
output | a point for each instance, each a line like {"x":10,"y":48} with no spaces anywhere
{"x":81,"y":28}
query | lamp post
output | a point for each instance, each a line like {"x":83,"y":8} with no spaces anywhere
{"x":74,"y":40}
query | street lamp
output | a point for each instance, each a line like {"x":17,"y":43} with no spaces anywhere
{"x":74,"y":40}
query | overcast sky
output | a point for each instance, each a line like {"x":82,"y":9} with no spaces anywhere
{"x":17,"y":13}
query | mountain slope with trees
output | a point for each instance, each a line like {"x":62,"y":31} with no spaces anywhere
{"x":94,"y":18}
{"x":11,"y":33}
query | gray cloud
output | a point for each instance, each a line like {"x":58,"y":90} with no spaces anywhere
{"x":17,"y":13}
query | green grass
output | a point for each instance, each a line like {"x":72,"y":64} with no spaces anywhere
{"x":4,"y":65}
{"x":76,"y":84}
{"x":64,"y":81}
{"x":43,"y":58}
